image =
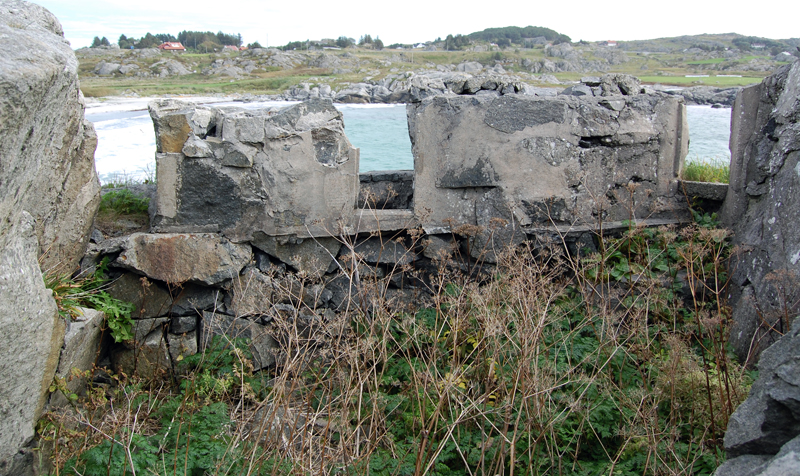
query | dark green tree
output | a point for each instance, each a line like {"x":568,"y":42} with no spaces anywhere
{"x":165,"y":37}
{"x":148,"y":41}
{"x":124,"y":42}
{"x":254,"y":44}
{"x":343,"y":42}
{"x":378,"y":44}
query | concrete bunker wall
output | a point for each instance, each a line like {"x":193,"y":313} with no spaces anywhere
{"x":518,"y":163}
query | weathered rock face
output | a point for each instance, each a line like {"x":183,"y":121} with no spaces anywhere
{"x":46,"y":145}
{"x":534,"y":162}
{"x":81,"y":345}
{"x":761,"y":208}
{"x":763,"y":435}
{"x":30,"y":338}
{"x":49,"y":194}
{"x":277,"y":172}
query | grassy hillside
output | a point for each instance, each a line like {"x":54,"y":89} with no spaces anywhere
{"x":669,"y":61}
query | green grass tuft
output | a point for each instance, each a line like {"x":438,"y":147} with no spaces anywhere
{"x":702,"y":170}
{"x":124,"y":202}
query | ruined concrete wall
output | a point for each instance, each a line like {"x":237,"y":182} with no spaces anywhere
{"x":253,"y":173}
{"x":49,"y":194}
{"x":761,"y":208}
{"x":511,"y":165}
{"x":535,"y":163}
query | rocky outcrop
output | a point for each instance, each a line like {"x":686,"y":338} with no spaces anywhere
{"x":410,"y":87}
{"x":49,"y":194}
{"x":512,"y":164}
{"x":763,"y":435}
{"x":707,"y":95}
{"x":166,"y":68}
{"x":761,"y":208}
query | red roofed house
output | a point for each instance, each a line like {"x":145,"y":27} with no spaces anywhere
{"x":231,"y":47}
{"x":171,"y":46}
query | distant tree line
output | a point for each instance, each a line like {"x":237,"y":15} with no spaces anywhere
{"x":367,"y":40}
{"x":197,"y":40}
{"x":515,"y":35}
{"x":341,"y":42}
{"x":453,"y":43}
{"x":100,"y":42}
{"x":745,"y":43}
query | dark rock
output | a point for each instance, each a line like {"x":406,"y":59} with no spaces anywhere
{"x":312,"y":256}
{"x":148,"y":358}
{"x":148,"y":298}
{"x":392,"y":190}
{"x":192,"y":299}
{"x":182,"y":324}
{"x":763,"y":435}
{"x":376,"y":250}
{"x":578,"y":90}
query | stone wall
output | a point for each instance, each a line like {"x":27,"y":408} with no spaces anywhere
{"x":761,"y":208}
{"x":528,"y":162}
{"x":517,"y":164}
{"x":262,"y":220}
{"x":49,"y":194}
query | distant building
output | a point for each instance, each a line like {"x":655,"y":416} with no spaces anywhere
{"x":758,"y":46}
{"x":171,"y":46}
{"x":231,"y":48}
{"x":611,"y":43}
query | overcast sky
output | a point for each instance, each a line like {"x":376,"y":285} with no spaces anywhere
{"x":397,"y":22}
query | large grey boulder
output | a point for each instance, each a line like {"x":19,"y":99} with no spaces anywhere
{"x":49,"y":194}
{"x":289,"y":171}
{"x":178,"y":258}
{"x":31,"y":334}
{"x":106,"y":69}
{"x":762,"y":207}
{"x":46,"y":144}
{"x":763,"y":435}
{"x":514,"y":163}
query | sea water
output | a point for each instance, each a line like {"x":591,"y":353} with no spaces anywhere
{"x":709,"y":132}
{"x":126,"y":141}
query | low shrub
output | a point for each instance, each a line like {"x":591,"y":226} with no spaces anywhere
{"x":89,"y":291}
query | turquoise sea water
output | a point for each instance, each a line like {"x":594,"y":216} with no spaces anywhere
{"x":381,"y":132}
{"x":126,"y":141}
{"x":709,"y":131}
